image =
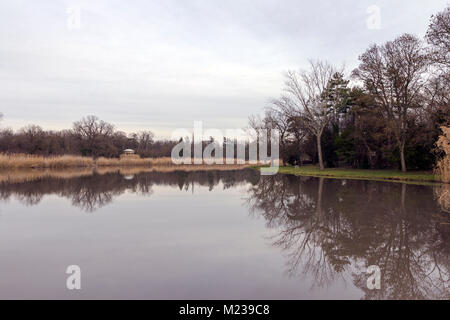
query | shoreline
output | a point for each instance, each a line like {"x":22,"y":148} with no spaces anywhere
{"x":21,"y":162}
{"x":362,"y":174}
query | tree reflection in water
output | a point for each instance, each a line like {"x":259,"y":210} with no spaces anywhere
{"x":333,"y":229}
{"x":92,"y":192}
{"x":328,"y":229}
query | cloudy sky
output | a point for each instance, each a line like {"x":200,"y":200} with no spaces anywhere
{"x":163,"y":64}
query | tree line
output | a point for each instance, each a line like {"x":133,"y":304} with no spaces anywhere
{"x":390,"y":117}
{"x":88,"y":137}
{"x":93,"y":137}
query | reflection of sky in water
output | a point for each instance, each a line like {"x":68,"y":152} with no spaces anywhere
{"x":242,"y":241}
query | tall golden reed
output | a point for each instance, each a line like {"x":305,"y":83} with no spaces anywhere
{"x":24,"y":161}
{"x":443,"y":165}
{"x":443,"y":169}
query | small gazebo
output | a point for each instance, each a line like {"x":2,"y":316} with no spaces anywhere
{"x":128,"y":152}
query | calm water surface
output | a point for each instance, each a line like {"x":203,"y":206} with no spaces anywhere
{"x":219,"y":235}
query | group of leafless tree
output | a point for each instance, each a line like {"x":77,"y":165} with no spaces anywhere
{"x":391,"y":117}
{"x":89,"y":137}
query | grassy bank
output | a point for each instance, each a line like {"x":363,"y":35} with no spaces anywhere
{"x":361,"y":174}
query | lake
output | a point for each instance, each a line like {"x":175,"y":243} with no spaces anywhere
{"x":219,"y":235}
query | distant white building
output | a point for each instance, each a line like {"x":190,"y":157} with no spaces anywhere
{"x":128,"y":151}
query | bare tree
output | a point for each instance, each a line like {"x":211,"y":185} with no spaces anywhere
{"x":304,"y":99}
{"x":394,"y":74}
{"x":437,"y":94}
{"x":438,"y":36}
{"x":145,"y":141}
{"x":256,"y":123}
{"x":279,"y":119}
{"x":31,"y":138}
{"x":255,"y":126}
{"x":94,"y":133}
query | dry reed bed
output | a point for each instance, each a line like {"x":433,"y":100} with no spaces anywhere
{"x":133,"y":161}
{"x":443,"y":166}
{"x":443,"y":197}
{"x":443,"y":169}
{"x":17,"y":168}
{"x":23,"y":161}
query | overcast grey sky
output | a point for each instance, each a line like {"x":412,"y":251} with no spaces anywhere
{"x":163,"y":64}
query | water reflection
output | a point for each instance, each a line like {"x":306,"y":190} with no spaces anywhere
{"x":328,"y":230}
{"x":331,"y":229}
{"x":92,"y":190}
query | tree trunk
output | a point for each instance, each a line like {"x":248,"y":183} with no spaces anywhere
{"x":402,"y":157}
{"x":319,"y":151}
{"x":319,"y":197}
{"x":403,"y":197}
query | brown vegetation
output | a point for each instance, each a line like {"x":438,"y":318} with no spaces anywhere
{"x":443,"y":169}
{"x":133,"y":161}
{"x":23,"y":161}
{"x":443,"y":165}
{"x":443,"y":196}
{"x":19,"y":161}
